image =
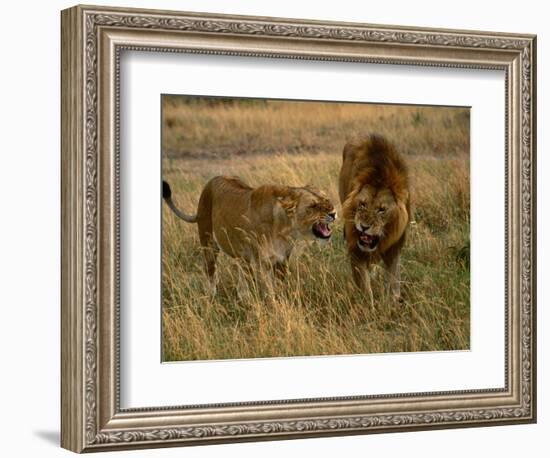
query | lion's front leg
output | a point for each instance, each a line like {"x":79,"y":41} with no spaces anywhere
{"x":361,"y":277}
{"x":393,"y":276}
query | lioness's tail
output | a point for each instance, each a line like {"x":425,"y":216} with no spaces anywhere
{"x":167,"y":196}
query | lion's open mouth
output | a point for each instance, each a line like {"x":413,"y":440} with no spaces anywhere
{"x":368,"y":241}
{"x":321,"y":230}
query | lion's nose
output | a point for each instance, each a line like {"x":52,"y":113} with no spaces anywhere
{"x":332,"y":216}
{"x":364,"y":228}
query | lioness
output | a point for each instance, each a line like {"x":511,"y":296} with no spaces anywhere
{"x":258,"y":225}
{"x":374,"y":192}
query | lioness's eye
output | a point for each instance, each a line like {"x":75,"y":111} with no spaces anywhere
{"x":381,"y":210}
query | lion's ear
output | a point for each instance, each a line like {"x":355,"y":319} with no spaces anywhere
{"x":402,"y":196}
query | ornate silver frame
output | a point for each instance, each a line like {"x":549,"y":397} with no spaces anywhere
{"x":92,"y":39}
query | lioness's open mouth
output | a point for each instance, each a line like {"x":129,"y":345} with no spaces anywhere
{"x":368,"y":241}
{"x":321,"y":230}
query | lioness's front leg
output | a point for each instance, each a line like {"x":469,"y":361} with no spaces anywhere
{"x":280,"y":269}
{"x":361,"y":277}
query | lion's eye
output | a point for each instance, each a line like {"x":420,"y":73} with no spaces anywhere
{"x":381,"y":210}
{"x":362,"y":205}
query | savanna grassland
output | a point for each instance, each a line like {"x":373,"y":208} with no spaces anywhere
{"x":317,"y":309}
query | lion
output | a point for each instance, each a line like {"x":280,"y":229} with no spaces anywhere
{"x":258,"y":225}
{"x":374,"y":192}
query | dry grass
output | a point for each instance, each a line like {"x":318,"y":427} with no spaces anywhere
{"x":214,"y":130}
{"x":317,"y":310}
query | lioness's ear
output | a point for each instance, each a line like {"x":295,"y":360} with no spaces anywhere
{"x":288,"y":203}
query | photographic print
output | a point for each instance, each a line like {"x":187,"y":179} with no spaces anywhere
{"x":302,"y":228}
{"x":282,"y":244}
